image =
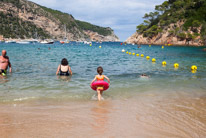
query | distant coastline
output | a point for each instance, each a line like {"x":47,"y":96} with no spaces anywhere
{"x":24,"y":20}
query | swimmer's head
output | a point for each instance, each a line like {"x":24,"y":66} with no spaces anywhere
{"x":64,"y":62}
{"x":3,"y":53}
{"x":100,"y":70}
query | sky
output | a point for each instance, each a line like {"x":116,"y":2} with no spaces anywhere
{"x":121,"y":15}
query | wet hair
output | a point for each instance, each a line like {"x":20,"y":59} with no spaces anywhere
{"x":64,"y":62}
{"x":100,"y":70}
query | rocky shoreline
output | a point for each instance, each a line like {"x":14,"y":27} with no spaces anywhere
{"x":162,"y":39}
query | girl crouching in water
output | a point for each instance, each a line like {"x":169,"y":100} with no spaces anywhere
{"x":100,"y":77}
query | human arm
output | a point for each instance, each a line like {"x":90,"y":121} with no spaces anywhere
{"x":10,"y":70}
{"x":58,"y":70}
{"x":93,"y":81}
{"x":107,"y":79}
{"x":70,"y":70}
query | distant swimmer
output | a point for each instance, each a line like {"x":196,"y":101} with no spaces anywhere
{"x":64,"y":68}
{"x":102,"y":84}
{"x":139,"y":46}
{"x":144,"y":75}
{"x":4,"y":63}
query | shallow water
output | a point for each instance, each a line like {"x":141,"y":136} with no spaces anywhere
{"x":34,"y":70}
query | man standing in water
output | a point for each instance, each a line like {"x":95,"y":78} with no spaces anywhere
{"x":4,"y":63}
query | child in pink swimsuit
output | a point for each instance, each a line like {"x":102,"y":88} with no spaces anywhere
{"x":100,"y":77}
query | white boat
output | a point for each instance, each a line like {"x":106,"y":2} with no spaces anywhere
{"x":47,"y":42}
{"x":86,"y":42}
{"x":34,"y":41}
{"x":23,"y":42}
{"x":10,"y":41}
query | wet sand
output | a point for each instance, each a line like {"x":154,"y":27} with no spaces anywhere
{"x":134,"y":117}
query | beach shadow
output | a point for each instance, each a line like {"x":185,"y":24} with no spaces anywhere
{"x":100,"y":113}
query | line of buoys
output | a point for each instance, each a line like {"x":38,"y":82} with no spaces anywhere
{"x":164,"y":63}
{"x":153,"y":60}
{"x":176,"y":65}
{"x":193,"y":67}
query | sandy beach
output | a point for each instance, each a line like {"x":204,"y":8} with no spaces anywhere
{"x":145,"y":116}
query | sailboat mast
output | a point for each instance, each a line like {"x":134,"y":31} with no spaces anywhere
{"x":65,"y":29}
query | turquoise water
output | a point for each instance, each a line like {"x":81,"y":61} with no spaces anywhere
{"x":34,"y":69}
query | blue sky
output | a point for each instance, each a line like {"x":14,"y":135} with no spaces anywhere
{"x":121,"y":15}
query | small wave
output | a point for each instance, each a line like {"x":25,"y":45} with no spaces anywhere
{"x":23,"y":99}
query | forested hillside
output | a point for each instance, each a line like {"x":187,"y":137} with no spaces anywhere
{"x":183,"y":19}
{"x":25,"y":19}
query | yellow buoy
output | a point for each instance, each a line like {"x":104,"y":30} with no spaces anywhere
{"x":137,"y":54}
{"x":193,"y":67}
{"x":90,"y":45}
{"x":147,"y":57}
{"x":130,"y":53}
{"x":133,"y":53}
{"x":127,"y":52}
{"x":142,"y":55}
{"x":162,"y":47}
{"x":176,"y":65}
{"x":100,"y":46}
{"x":153,"y":60}
{"x":149,"y":45}
{"x":164,"y":63}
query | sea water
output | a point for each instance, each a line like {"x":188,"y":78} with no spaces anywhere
{"x":34,"y":67}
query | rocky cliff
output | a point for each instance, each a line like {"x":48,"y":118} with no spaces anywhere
{"x":179,"y":22}
{"x":25,"y":19}
{"x":164,"y":38}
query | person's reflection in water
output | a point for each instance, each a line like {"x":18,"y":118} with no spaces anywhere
{"x":3,"y":78}
{"x":100,"y":116}
{"x":64,"y":78}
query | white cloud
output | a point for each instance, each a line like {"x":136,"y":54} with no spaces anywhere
{"x":108,"y":13}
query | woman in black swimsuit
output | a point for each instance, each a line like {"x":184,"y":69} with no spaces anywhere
{"x":64,"y":68}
